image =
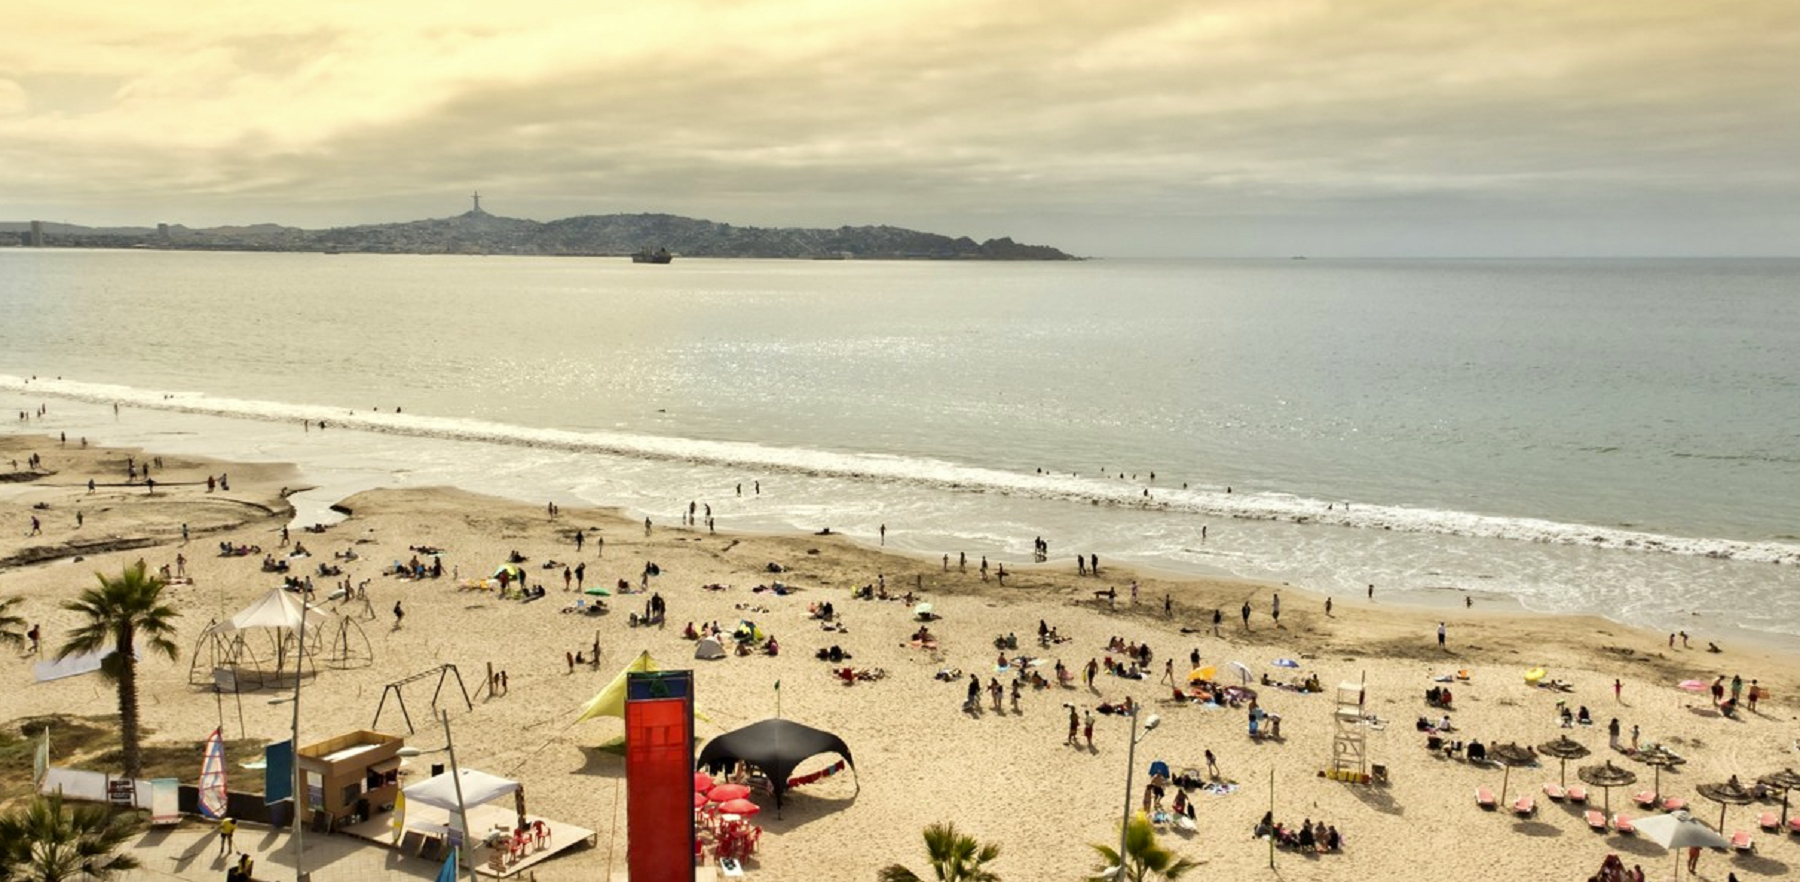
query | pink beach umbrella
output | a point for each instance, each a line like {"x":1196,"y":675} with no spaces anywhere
{"x":742,"y":807}
{"x":702,"y":782}
{"x":700,"y":800}
{"x":727,"y":792}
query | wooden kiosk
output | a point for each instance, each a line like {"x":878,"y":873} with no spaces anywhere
{"x":348,"y":778}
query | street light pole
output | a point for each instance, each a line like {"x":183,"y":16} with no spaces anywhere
{"x":1131,"y":767}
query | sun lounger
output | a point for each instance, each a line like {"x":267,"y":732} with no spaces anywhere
{"x":1741,"y":841}
{"x":1769,"y":822}
{"x":1674,"y":804}
{"x":1644,"y":799}
{"x":1524,"y":806}
{"x":1622,"y":824}
{"x":1555,"y":793}
{"x":1595,"y":820}
{"x":1794,"y":825}
{"x":1485,"y":798}
{"x":1577,"y":794}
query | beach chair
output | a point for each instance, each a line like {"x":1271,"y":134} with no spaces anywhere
{"x":1644,"y":798}
{"x":1794,"y":825}
{"x":1576,"y":794}
{"x":1674,"y":804}
{"x":1595,"y":820}
{"x":1524,"y":806}
{"x":411,"y":842}
{"x":1769,"y":822}
{"x":1554,"y":792}
{"x":1485,"y":798}
{"x":1742,"y":843}
{"x":1623,"y":826}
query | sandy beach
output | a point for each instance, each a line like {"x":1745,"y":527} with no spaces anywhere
{"x":1003,"y":776}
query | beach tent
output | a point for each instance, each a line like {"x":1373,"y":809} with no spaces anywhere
{"x":776,"y":747}
{"x":708,"y":649}
{"x":747,"y":631}
{"x":610,"y":700}
{"x":478,"y":788}
{"x":279,"y":608}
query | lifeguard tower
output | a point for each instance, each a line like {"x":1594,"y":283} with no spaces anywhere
{"x":1349,"y":745}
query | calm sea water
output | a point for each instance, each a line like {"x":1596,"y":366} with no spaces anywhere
{"x":1606,"y":436}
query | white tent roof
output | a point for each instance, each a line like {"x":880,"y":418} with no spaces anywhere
{"x":477,"y":788}
{"x":277,"y":609}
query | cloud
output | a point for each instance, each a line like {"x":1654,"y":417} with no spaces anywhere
{"x":998,"y":116}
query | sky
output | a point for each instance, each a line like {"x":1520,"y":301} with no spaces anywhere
{"x":1170,"y":128}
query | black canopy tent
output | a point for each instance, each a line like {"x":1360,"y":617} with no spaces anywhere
{"x":776,"y":747}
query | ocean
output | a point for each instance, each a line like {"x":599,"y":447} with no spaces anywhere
{"x":1617,"y":437}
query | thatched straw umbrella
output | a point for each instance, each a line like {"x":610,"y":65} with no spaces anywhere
{"x":1564,"y":749}
{"x":1606,"y":776}
{"x":1784,"y":780}
{"x":1728,"y":793}
{"x":1509,"y":755}
{"x":1658,"y":758}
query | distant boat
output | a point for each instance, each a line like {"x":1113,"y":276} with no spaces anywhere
{"x":660,"y":255}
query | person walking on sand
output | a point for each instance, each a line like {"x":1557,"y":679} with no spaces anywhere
{"x":398,"y":615}
{"x":972,"y":703}
{"x":580,"y":574}
{"x":1246,"y":612}
{"x":1212,"y":765}
{"x":1275,"y":609}
{"x":1074,"y":725}
{"x":568,"y":576}
{"x":1612,"y":733}
{"x":579,"y":539}
{"x":1169,"y":672}
{"x":1441,"y":634}
{"x":1218,"y":616}
{"x":1755,"y":693}
{"x":1087,"y":729}
{"x":227,"y":827}
{"x":1092,"y":669}
{"x":1618,"y":689}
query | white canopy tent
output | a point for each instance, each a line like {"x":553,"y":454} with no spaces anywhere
{"x":223,"y":648}
{"x":477,"y":788}
{"x":279,"y":608}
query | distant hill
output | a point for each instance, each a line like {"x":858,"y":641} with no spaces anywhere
{"x":478,"y":232}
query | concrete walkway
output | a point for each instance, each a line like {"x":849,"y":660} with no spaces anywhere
{"x":191,"y":851}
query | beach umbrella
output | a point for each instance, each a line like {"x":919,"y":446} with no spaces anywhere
{"x":727,"y":792}
{"x":1564,"y":749}
{"x":1285,"y":663}
{"x":1243,"y":671}
{"x":596,"y":591}
{"x":922,"y":610}
{"x":1198,"y":674}
{"x":1509,"y":755}
{"x":702,"y":782}
{"x":700,"y":799}
{"x":1606,"y":776}
{"x":739,"y":807}
{"x":1728,"y":793}
{"x":1657,"y":758}
{"x":1679,"y":830}
{"x":1784,"y":780}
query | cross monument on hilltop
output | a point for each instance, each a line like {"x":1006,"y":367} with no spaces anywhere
{"x":477,"y":196}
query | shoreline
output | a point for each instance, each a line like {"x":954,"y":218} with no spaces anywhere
{"x":907,"y":733}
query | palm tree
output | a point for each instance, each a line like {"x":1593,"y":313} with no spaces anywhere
{"x":119,"y":613}
{"x":11,"y":633}
{"x":954,"y":858}
{"x":1144,"y":858}
{"x":42,"y":843}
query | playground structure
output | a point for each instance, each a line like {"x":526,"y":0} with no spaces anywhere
{"x":229,"y":660}
{"x":350,"y":647}
{"x":443,"y":672}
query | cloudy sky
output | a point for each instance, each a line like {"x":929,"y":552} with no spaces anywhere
{"x":1105,"y":127}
